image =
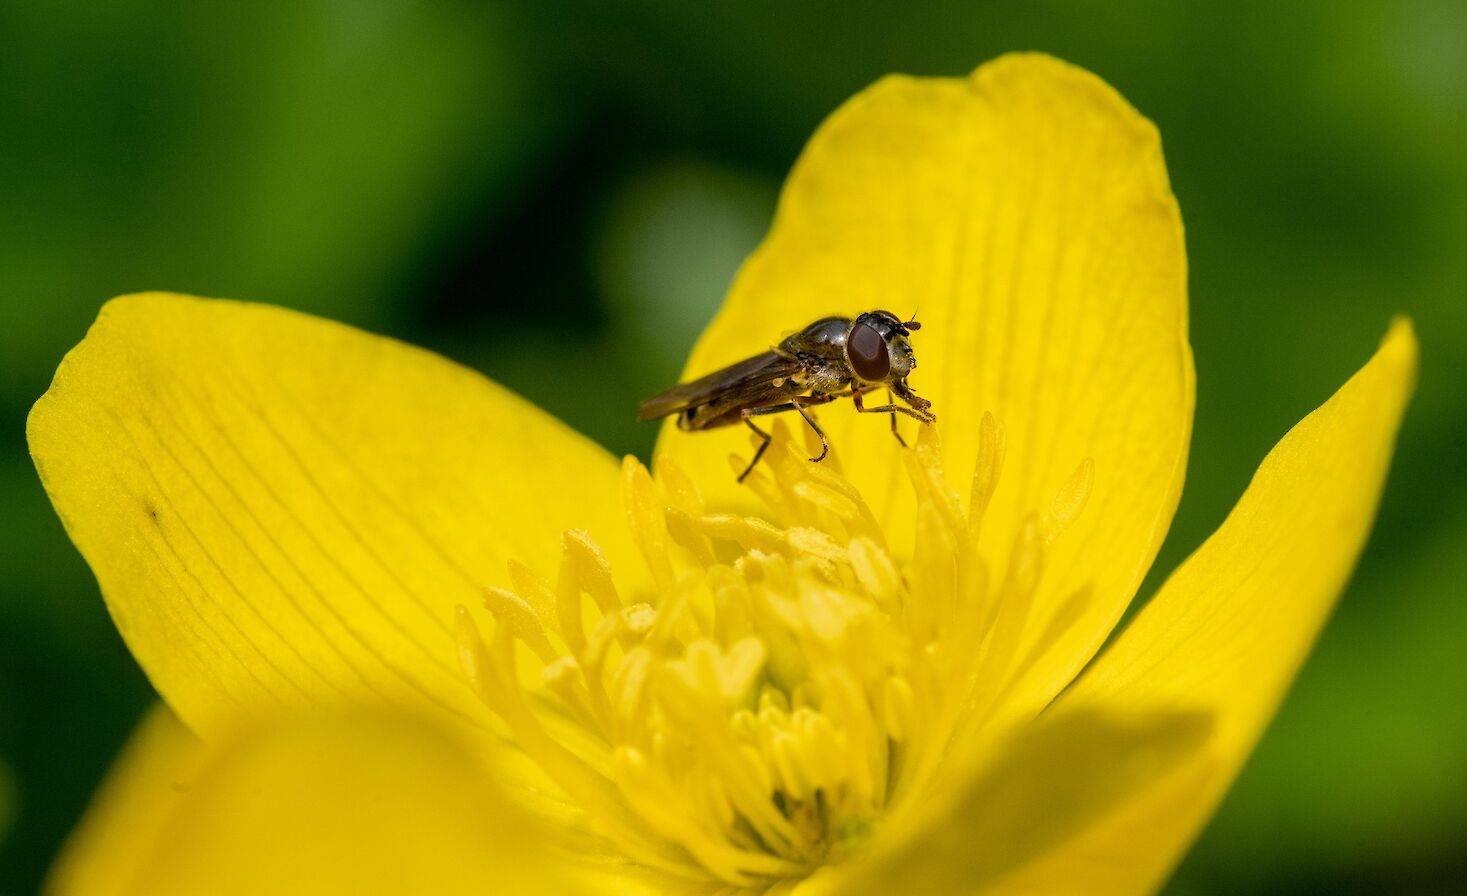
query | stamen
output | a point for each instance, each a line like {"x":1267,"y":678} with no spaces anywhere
{"x":1069,"y":501}
{"x":788,"y":683}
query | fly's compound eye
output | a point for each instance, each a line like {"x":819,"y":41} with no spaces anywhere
{"x":869,"y":356}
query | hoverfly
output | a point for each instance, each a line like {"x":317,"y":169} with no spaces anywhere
{"x":834,"y":357}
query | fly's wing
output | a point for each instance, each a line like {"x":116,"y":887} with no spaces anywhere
{"x":733,"y":385}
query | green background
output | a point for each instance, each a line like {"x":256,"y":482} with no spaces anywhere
{"x":557,"y":193}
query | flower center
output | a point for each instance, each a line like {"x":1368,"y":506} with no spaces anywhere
{"x":789,"y":685}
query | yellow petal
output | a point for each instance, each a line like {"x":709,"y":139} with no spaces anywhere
{"x":1051,"y":779}
{"x":131,"y":810}
{"x":332,"y":805}
{"x":1025,"y":213}
{"x":285,"y":510}
{"x":1228,"y":631}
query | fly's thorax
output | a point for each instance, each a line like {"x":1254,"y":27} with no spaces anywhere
{"x":825,"y":377}
{"x":826,"y":333}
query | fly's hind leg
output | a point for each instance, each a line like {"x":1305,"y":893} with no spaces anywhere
{"x":824,"y":442}
{"x":799,"y":404}
{"x":764,"y":439}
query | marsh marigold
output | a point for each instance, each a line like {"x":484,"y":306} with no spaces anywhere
{"x":427,"y":639}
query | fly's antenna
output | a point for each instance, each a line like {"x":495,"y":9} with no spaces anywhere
{"x":911,"y":323}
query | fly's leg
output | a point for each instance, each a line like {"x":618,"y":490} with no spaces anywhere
{"x":891,"y":400}
{"x":824,"y":442}
{"x":763,"y":443}
{"x":919,"y":416}
{"x":893,"y":409}
{"x":799,"y":404}
{"x":856,"y":394}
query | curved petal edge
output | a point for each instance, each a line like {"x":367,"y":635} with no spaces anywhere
{"x":1227,"y":633}
{"x":283,"y":511}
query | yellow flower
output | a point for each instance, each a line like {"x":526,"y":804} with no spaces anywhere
{"x":861,"y":676}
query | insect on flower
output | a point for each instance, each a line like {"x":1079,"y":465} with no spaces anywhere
{"x":842,"y":683}
{"x":834,"y":357}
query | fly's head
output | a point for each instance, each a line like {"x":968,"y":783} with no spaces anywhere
{"x":878,"y":349}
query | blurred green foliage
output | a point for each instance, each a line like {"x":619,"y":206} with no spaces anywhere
{"x":558,"y":193}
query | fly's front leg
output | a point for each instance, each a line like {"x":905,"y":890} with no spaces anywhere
{"x":893,"y":409}
{"x":891,"y":401}
{"x":856,"y":394}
